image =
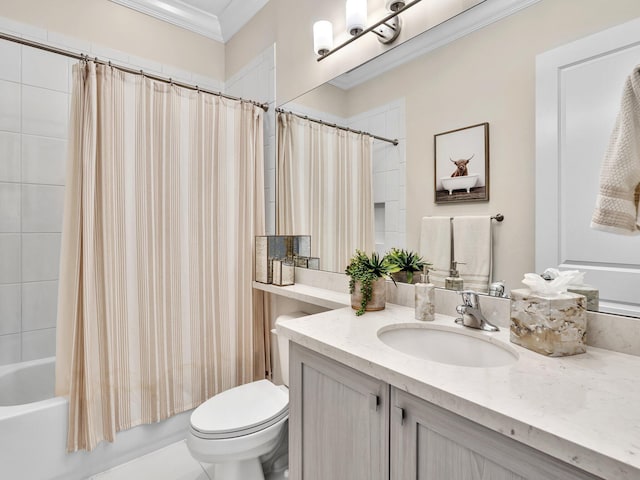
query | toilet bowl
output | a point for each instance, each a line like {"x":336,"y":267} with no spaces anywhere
{"x":234,"y":428}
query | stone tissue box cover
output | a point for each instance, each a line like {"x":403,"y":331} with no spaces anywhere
{"x":555,"y":326}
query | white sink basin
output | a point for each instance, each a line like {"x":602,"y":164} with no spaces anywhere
{"x":452,"y":346}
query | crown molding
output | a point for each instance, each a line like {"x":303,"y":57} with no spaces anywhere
{"x":177,"y":12}
{"x":237,"y":14}
{"x":475,"y":18}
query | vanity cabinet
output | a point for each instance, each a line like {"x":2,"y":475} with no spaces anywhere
{"x":344,"y":424}
{"x":338,"y":420}
{"x":430,"y":443}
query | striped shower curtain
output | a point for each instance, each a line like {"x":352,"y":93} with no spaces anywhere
{"x":325,"y":189}
{"x":164,"y":197}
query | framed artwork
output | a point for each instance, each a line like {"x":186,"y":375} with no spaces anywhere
{"x":462,"y":164}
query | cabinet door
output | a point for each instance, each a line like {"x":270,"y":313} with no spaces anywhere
{"x":429,"y":443}
{"x":338,"y":421}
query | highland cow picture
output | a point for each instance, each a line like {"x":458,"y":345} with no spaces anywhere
{"x":462,"y":164}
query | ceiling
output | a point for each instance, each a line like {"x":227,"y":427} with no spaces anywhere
{"x":216,"y":19}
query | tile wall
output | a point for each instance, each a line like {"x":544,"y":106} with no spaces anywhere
{"x":34,"y":106}
{"x":256,"y":81}
{"x":35,"y":91}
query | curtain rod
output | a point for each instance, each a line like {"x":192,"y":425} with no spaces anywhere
{"x":79,"y":56}
{"x":339,"y":127}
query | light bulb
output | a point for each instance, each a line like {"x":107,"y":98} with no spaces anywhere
{"x":395,"y":5}
{"x":322,"y":37}
{"x":356,"y":16}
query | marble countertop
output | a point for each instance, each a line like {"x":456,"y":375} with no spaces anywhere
{"x":583,"y":410}
{"x":309,"y":294}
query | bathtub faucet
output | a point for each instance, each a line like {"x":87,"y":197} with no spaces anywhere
{"x":472,"y":316}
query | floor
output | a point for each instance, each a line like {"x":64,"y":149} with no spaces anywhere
{"x":169,"y":463}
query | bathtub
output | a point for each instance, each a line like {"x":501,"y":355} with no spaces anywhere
{"x":33,"y":430}
{"x":466,"y":182}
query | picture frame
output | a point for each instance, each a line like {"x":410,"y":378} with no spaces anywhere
{"x":461,"y":164}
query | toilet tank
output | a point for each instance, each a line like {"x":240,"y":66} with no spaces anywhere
{"x":283,"y":345}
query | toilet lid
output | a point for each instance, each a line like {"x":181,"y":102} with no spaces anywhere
{"x":240,"y":410}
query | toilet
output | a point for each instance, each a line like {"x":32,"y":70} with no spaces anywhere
{"x":234,"y":428}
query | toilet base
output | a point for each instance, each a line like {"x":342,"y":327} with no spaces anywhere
{"x":242,"y":470}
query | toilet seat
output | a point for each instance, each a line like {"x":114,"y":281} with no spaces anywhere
{"x":240,"y":411}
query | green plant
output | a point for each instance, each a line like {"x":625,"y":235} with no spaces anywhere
{"x":366,"y":270}
{"x":401,"y":260}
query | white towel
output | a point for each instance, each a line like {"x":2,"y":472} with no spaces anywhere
{"x":617,"y":208}
{"x":472,"y":247}
{"x":435,"y":247}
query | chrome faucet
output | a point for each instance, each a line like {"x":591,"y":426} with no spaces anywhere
{"x":471,"y":314}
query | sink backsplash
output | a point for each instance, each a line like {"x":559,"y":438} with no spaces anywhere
{"x":612,"y":332}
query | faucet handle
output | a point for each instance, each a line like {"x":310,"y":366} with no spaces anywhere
{"x":470,"y":298}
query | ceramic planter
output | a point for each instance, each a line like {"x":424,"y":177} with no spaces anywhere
{"x":378,"y":296}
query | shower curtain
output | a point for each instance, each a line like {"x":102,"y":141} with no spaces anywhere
{"x":324,"y":189}
{"x":164,"y":197}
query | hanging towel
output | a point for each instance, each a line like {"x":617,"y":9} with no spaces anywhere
{"x":435,"y":247}
{"x":472,"y":249}
{"x":617,"y":202}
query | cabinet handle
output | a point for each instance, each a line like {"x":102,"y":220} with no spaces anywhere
{"x":399,"y":413}
{"x":374,"y":401}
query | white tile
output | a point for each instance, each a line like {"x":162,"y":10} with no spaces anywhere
{"x":9,"y":61}
{"x":391,"y":240}
{"x":379,"y":157}
{"x":402,"y":221}
{"x":270,"y":178}
{"x":45,"y":69}
{"x":9,"y":106}
{"x":10,"y":309}
{"x":176,"y":74}
{"x":38,"y":344}
{"x":9,"y":258}
{"x":207,"y":83}
{"x":9,"y":207}
{"x":403,"y":195}
{"x":104,"y":53}
{"x":44,"y":112}
{"x":379,"y":187}
{"x":42,"y":207}
{"x":391,"y":214}
{"x":68,"y":43}
{"x":145,"y":64}
{"x":270,"y":223}
{"x":9,"y":349}
{"x":22,"y":29}
{"x":9,"y":157}
{"x":40,"y":256}
{"x":43,"y":160}
{"x":39,"y":305}
{"x":170,"y":463}
{"x":270,"y":156}
{"x":393,"y":157}
{"x":393,"y":128}
{"x":392,"y":187}
{"x":378,"y":125}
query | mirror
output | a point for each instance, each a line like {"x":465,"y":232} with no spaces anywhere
{"x":431,"y":94}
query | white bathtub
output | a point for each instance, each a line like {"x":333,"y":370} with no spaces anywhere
{"x":33,"y":430}
{"x":466,"y":182}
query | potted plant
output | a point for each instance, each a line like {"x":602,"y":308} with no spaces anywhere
{"x":403,"y":264}
{"x":367,"y":281}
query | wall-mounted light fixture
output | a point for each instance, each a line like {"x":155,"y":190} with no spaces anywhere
{"x":356,"y":16}
{"x":387,"y":29}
